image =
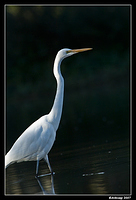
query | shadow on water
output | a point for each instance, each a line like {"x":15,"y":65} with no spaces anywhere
{"x":97,"y":169}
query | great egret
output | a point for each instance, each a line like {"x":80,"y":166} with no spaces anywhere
{"x":36,"y":141}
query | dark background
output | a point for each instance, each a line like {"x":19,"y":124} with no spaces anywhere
{"x":96,"y":101}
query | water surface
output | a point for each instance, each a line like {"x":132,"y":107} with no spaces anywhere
{"x":92,"y":169}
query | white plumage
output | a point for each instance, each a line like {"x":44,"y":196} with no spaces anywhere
{"x":37,"y":140}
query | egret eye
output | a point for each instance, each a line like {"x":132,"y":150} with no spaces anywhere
{"x":68,"y":51}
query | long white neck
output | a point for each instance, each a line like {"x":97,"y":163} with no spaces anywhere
{"x":55,"y":114}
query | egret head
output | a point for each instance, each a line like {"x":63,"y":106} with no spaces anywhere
{"x":63,"y":53}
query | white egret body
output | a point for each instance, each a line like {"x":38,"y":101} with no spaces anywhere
{"x":37,"y":140}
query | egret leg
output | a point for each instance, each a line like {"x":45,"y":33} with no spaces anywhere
{"x":37,"y":167}
{"x":49,"y":166}
{"x":48,"y":163}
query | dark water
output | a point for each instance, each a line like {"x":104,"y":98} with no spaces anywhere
{"x":96,"y":169}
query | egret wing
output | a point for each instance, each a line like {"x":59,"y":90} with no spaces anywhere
{"x":34,"y":143}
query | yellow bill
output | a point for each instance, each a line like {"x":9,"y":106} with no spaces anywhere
{"x":79,"y":50}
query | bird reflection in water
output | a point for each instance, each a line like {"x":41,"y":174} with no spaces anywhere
{"x":52,"y":191}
